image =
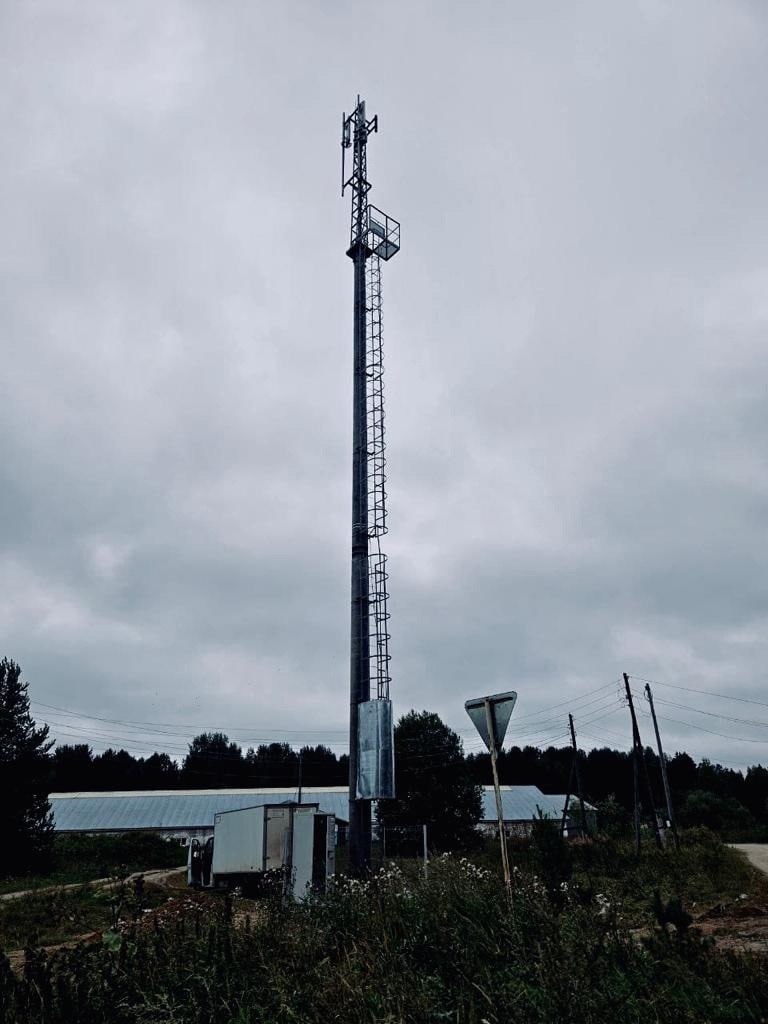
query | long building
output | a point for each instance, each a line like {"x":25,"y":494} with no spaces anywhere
{"x":185,"y":814}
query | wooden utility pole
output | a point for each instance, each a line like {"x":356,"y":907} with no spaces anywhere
{"x":584,"y":827}
{"x":636,"y":795}
{"x":567,"y":801}
{"x":639,"y":756}
{"x":663,"y":763}
{"x":493,"y":747}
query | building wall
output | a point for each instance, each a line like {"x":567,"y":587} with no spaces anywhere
{"x":182,"y":835}
{"x":514,"y":829}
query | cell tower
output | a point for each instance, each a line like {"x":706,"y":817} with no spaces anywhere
{"x":373,"y":237}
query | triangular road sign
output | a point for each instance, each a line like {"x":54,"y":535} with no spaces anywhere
{"x":502,"y":705}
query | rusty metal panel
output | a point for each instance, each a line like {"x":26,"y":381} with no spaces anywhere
{"x":376,"y":751}
{"x":278,"y":823}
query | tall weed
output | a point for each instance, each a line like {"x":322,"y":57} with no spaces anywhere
{"x":398,"y":948}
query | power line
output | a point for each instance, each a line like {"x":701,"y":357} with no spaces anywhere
{"x":612,"y":705}
{"x":151,"y":729}
{"x":180,"y":725}
{"x":591,"y":736}
{"x":570,"y":702}
{"x":708,"y":693}
{"x":618,"y":736}
{"x":536,"y":722}
{"x":693,"y":725}
{"x":550,"y":719}
{"x":713,"y":714}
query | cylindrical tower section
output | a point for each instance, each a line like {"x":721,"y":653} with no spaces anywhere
{"x":374,"y":236}
{"x":360,"y":662}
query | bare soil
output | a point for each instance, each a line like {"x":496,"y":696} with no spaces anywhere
{"x":742,"y":924}
{"x":742,"y":927}
{"x":173,"y":879}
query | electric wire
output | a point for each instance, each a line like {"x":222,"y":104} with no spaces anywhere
{"x":701,"y":728}
{"x":539,"y":727}
{"x":712,"y":714}
{"x":536,"y":722}
{"x":180,"y":725}
{"x":571,"y":702}
{"x":708,"y":693}
{"x":696,"y":725}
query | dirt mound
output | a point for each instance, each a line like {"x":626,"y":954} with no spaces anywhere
{"x":188,"y":907}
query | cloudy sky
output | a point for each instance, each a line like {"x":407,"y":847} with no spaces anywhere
{"x":577,"y":372}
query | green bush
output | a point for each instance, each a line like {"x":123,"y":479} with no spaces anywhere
{"x":108,"y":854}
{"x":552,"y":856}
{"x":722,"y":814}
{"x":82,"y":858}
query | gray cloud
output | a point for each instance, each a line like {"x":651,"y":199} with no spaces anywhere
{"x":576,"y":367}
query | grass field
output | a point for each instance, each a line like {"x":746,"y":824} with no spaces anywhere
{"x":82,"y":858}
{"x":52,"y":917}
{"x":585,"y":937}
{"x":703,"y":872}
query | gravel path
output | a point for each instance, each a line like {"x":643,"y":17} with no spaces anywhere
{"x":756,"y":853}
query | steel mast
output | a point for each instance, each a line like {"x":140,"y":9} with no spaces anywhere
{"x":373,"y":237}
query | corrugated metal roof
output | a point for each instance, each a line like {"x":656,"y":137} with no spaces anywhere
{"x":521,"y":803}
{"x":169,"y":809}
{"x":81,"y":812}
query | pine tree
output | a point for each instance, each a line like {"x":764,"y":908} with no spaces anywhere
{"x":213,"y":762}
{"x":433,"y":783}
{"x":25,"y":767}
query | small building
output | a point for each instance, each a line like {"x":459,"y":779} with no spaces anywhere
{"x":569,"y":802}
{"x":521,"y":806}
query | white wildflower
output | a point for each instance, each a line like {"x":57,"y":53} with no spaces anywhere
{"x":603,"y":904}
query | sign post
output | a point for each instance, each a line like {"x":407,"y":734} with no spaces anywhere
{"x":490,"y":716}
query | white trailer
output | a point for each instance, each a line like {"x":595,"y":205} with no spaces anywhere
{"x":296,"y":839}
{"x":313,"y":853}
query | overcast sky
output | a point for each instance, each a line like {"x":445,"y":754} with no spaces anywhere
{"x":576,"y":361}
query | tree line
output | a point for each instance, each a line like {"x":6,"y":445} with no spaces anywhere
{"x":437,"y":784}
{"x":704,"y":793}
{"x":212,"y":762}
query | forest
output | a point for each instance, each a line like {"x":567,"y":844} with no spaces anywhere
{"x":704,"y":793}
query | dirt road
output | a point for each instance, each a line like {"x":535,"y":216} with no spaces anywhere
{"x":159,"y":876}
{"x":756,"y":853}
{"x":173,"y":879}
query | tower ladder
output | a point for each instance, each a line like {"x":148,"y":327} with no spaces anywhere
{"x":378,"y":596}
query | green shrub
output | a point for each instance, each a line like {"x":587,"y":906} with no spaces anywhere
{"x":82,"y":858}
{"x":722,"y":814}
{"x":552,"y":855}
